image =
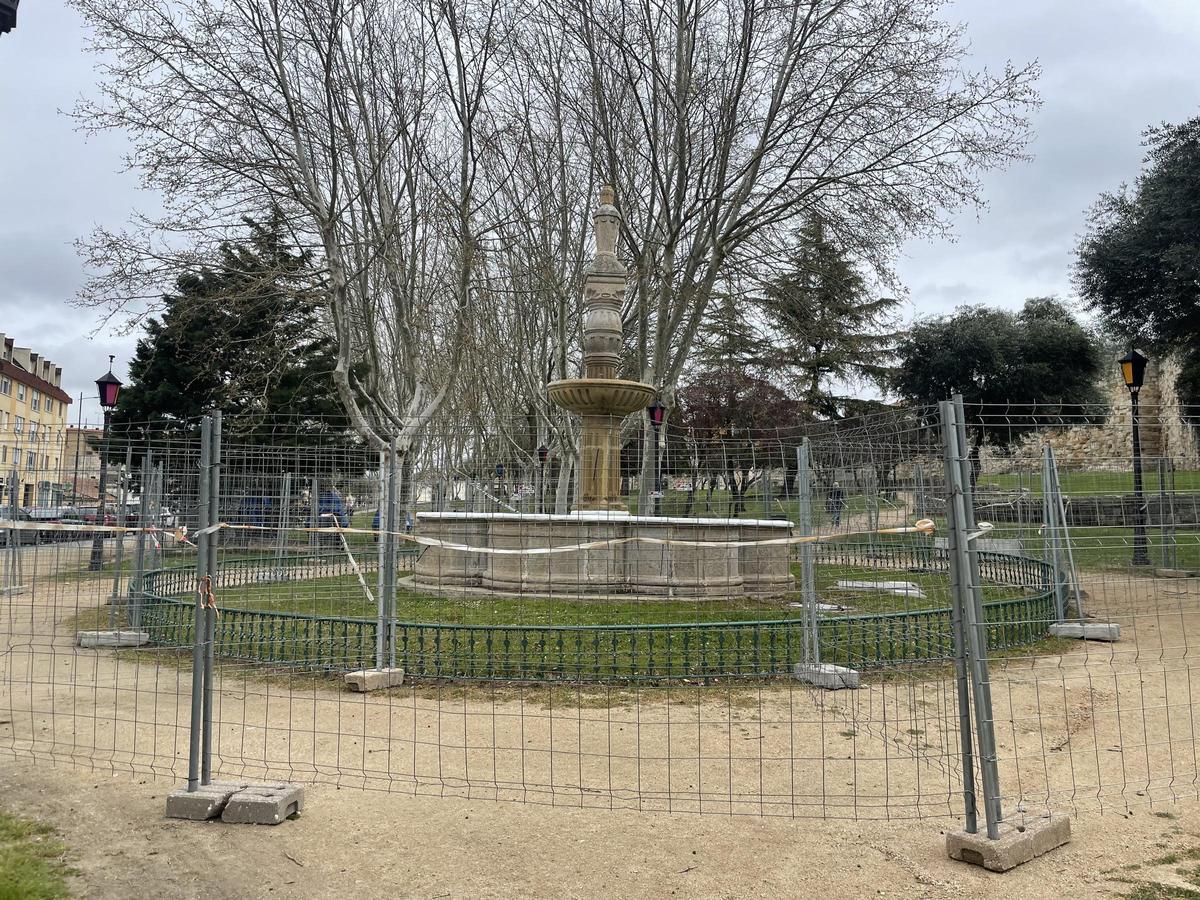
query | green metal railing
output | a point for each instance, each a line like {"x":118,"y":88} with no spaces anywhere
{"x":601,"y":653}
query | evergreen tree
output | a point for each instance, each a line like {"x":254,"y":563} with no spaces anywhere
{"x":245,"y":336}
{"x":827,"y":327}
{"x":1139,"y":264}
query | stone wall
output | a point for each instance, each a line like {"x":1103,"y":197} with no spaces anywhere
{"x":1108,"y":445}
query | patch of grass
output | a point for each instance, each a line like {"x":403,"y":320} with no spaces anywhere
{"x":32,"y":860}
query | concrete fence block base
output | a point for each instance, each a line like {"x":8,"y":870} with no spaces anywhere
{"x":264,"y":804}
{"x":826,"y":675}
{"x":1019,"y":841}
{"x":127,"y":638}
{"x":1087,"y":631}
{"x":374,"y":679}
{"x":206,"y":802}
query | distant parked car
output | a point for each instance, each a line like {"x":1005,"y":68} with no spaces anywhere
{"x":92,"y":516}
{"x":19,"y":538}
{"x":63,"y":515}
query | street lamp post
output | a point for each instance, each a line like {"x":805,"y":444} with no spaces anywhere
{"x":542,"y":453}
{"x":1133,"y":370}
{"x":657,"y":413}
{"x":108,"y":386}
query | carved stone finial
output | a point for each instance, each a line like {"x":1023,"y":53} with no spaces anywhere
{"x":607,"y":223}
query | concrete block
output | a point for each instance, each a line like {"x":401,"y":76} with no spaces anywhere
{"x":826,"y":675}
{"x":374,"y":679}
{"x":1018,"y":842}
{"x":264,"y":804}
{"x":1087,"y":631}
{"x":206,"y":802}
{"x":126,"y":638}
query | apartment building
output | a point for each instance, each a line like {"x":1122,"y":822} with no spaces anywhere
{"x":33,"y":426}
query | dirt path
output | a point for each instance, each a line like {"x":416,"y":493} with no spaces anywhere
{"x":1101,"y":727}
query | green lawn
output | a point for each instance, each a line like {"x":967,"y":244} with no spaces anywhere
{"x":1084,"y":483}
{"x":31,"y":861}
{"x":343,"y":596}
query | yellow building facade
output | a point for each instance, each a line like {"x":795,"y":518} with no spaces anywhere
{"x":34,"y":411}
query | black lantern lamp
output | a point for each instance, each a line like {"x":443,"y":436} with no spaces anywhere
{"x":1133,"y":371}
{"x":657,"y":413}
{"x":108,"y":385}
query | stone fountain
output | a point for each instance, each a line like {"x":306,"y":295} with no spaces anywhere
{"x":619,"y":566}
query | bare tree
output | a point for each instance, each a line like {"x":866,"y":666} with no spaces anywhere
{"x":725,"y":122}
{"x":365,"y":123}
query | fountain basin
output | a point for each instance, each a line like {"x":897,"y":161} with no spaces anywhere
{"x":632,"y":568}
{"x":600,"y":396}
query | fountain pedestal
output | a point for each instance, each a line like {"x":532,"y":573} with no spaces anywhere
{"x":670,"y":564}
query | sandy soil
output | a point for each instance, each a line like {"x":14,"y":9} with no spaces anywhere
{"x":1100,"y":728}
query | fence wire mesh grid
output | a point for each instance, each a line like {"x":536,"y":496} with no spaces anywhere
{"x":939,"y":563}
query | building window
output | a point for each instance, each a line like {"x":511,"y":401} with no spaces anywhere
{"x":19,"y":428}
{"x":5,"y":385}
{"x":17,"y":457}
{"x":20,"y":392}
{"x":30,"y":461}
{"x":33,"y":426}
{"x":36,"y":400}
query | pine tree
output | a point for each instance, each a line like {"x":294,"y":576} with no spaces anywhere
{"x":827,"y":327}
{"x":245,"y":336}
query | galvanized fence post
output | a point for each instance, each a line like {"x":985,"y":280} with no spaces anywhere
{"x":134,"y":593}
{"x":975,"y":623}
{"x":210,"y":624}
{"x":381,"y":546}
{"x":1052,"y":537}
{"x":812,"y":640}
{"x":198,"y":621}
{"x":957,"y":619}
{"x":119,"y":552}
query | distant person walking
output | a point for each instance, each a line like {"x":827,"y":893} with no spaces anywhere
{"x":835,"y":503}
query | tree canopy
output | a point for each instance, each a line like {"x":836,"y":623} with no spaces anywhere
{"x":1025,"y":362}
{"x":828,"y":328}
{"x":1138,"y":265}
{"x":243,"y":335}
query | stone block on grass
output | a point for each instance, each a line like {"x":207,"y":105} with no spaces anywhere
{"x":826,"y":675}
{"x":1087,"y":631}
{"x":126,"y":638}
{"x":374,"y":679}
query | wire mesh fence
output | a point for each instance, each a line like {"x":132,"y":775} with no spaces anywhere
{"x":939,"y":564}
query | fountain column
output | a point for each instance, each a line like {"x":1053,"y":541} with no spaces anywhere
{"x":600,"y":397}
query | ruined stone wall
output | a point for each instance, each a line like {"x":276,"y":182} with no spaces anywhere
{"x":1108,"y":446}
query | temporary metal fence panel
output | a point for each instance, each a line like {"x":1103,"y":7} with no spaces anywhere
{"x":647,"y":662}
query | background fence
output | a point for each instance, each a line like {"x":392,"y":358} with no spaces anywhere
{"x":661,"y":666}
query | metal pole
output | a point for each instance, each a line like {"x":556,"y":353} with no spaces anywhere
{"x":1141,"y":553}
{"x":966,"y":741}
{"x":210,"y":625}
{"x":1052,"y":553}
{"x":139,"y":547}
{"x":381,"y":576}
{"x":1070,"y":574}
{"x":97,"y":561}
{"x":314,"y":515}
{"x":808,"y":585}
{"x":285,"y":509}
{"x":389,"y":598}
{"x":120,"y":520}
{"x":975,"y":625}
{"x":198,"y":621}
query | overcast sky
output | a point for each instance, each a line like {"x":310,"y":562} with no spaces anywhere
{"x":1111,"y":67}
